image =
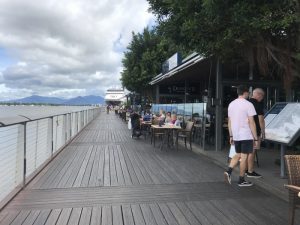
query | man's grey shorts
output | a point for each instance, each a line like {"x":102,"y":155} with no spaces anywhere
{"x":245,"y":146}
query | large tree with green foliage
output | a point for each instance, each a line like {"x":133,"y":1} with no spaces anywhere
{"x":265,"y":33}
{"x":143,"y":60}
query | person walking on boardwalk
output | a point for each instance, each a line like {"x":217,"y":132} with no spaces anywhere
{"x":107,"y":109}
{"x":256,"y":100}
{"x":242,"y":133}
{"x":135,"y":124}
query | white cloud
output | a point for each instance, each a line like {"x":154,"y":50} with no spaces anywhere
{"x":64,"y":45}
{"x":10,"y":93}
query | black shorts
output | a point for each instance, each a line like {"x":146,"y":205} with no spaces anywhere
{"x":245,"y":146}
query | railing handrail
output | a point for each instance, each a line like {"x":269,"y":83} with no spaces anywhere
{"x":40,"y":118}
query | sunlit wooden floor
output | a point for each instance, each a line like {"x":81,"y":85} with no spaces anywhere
{"x":106,"y":177}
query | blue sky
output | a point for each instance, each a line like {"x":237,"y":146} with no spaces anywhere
{"x":6,"y":59}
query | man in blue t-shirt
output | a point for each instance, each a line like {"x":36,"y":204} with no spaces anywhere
{"x":147,"y":116}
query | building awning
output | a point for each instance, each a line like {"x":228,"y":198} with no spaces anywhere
{"x":188,"y":62}
{"x":196,"y":68}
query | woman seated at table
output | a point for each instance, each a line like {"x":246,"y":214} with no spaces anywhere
{"x":161,"y":116}
{"x":174,"y":120}
{"x":168,"y":118}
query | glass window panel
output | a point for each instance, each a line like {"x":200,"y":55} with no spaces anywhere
{"x":180,"y":109}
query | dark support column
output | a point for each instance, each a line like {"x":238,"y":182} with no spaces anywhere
{"x":251,"y":78}
{"x":219,"y":107}
{"x":268,"y":98}
{"x":157,"y":94}
{"x":282,"y":164}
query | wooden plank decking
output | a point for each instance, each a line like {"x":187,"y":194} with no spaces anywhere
{"x":105,"y":177}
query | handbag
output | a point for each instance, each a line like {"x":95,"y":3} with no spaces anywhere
{"x":232,"y":151}
{"x":129,"y":124}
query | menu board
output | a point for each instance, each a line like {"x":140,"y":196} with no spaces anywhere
{"x":274,"y":111}
{"x":285,"y":126}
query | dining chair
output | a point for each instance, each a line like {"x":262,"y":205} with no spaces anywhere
{"x":156,"y":132}
{"x":293,"y":172}
{"x":185,"y":134}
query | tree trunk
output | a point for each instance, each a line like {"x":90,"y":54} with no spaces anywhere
{"x":251,"y":62}
{"x":288,"y":76}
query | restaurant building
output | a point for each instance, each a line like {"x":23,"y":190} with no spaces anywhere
{"x":198,"y":79}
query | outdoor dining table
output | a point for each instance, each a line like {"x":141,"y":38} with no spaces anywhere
{"x":168,"y":130}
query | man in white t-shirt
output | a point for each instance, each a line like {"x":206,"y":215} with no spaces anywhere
{"x":242,"y":133}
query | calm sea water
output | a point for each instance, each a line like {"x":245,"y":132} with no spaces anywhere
{"x":10,"y":113}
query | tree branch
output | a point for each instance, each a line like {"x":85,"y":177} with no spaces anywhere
{"x":274,"y":57}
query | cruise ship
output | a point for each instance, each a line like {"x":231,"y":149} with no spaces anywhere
{"x":115,"y":96}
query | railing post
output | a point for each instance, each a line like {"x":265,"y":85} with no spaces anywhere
{"x":71,"y":125}
{"x":36,"y":143}
{"x":82,"y":119}
{"x":77,"y":122}
{"x":52,"y":135}
{"x":66,"y":127}
{"x":24,"y":170}
{"x":86,"y":117}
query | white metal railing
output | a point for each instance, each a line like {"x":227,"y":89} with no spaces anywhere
{"x":28,"y":146}
{"x":11,"y":169}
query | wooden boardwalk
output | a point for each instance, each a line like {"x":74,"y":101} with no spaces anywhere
{"x":105,"y":177}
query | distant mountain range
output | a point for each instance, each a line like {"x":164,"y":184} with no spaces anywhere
{"x":80,"y":100}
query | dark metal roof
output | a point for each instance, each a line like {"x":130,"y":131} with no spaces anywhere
{"x":189,"y":61}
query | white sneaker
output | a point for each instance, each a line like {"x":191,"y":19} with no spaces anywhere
{"x":227,"y":177}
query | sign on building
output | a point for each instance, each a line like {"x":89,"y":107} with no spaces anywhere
{"x":171,"y":63}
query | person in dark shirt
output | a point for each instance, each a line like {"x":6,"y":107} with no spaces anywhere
{"x":147,"y":116}
{"x":256,"y":100}
{"x":135,"y":124}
